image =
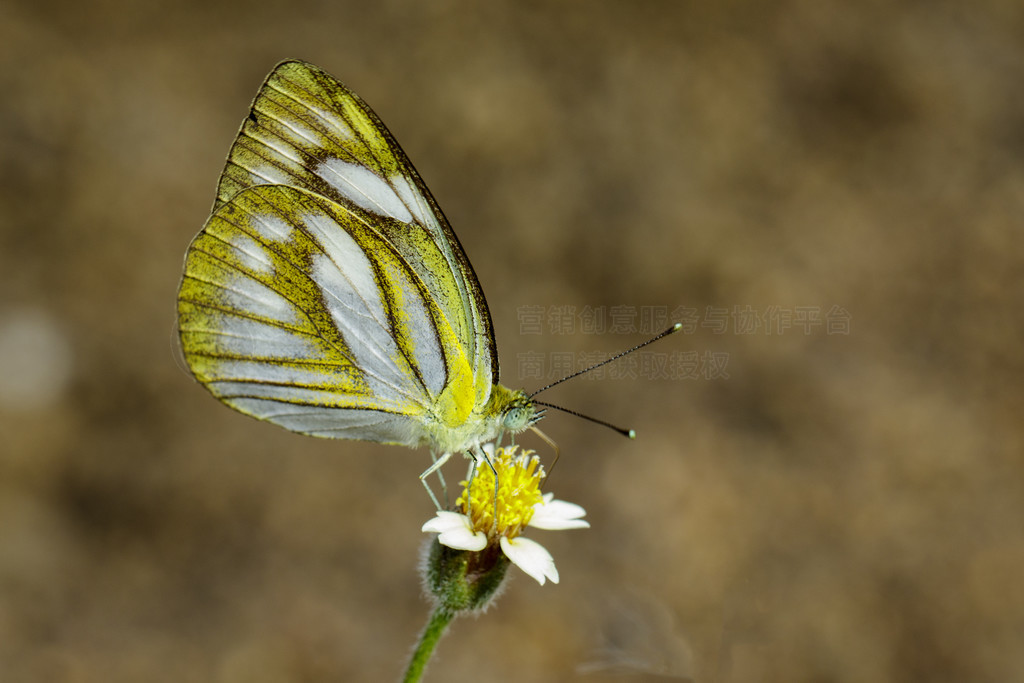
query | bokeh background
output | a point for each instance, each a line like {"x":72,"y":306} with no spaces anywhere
{"x":841,"y":507}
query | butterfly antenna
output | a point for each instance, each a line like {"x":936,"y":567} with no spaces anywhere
{"x":674,"y":328}
{"x":628,"y":433}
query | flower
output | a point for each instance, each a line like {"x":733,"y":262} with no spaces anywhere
{"x":489,"y":517}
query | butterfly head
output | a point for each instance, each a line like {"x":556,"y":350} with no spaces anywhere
{"x":513,"y":408}
{"x":520,"y":414}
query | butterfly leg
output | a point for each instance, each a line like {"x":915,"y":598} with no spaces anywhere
{"x":440,"y":478}
{"x":435,"y":467}
{"x":470,"y":476}
{"x":482,"y":454}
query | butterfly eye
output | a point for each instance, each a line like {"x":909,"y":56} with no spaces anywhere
{"x":517,"y":419}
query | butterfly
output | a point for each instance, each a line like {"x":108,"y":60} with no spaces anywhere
{"x":327,"y":292}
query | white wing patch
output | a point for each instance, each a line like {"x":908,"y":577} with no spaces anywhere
{"x":426,"y":348}
{"x":251,"y":254}
{"x":271,"y":228}
{"x":360,"y":321}
{"x":271,"y":175}
{"x":339,"y":127}
{"x":231,"y":389}
{"x":334,"y":423}
{"x":239,"y":292}
{"x":261,"y":371}
{"x":244,"y":337}
{"x":413,"y":199}
{"x":345,"y":266}
{"x":364,"y":188}
{"x":346,"y":276}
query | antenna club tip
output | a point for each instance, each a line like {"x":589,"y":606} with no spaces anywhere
{"x":631,"y":434}
{"x":676,"y":327}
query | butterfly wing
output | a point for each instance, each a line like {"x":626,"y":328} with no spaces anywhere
{"x":327,"y":293}
{"x":309,"y":131}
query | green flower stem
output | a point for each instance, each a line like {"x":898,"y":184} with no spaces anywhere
{"x":439,"y":621}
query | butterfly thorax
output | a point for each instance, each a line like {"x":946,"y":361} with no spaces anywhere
{"x":506,"y":411}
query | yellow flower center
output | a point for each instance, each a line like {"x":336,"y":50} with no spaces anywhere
{"x":519,"y":478}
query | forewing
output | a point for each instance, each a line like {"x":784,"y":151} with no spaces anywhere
{"x":300,"y":311}
{"x":307,"y":130}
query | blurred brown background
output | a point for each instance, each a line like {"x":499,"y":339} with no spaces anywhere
{"x":843,"y":507}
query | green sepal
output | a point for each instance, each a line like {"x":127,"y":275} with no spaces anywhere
{"x":464,"y":580}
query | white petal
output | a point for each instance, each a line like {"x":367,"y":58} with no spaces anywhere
{"x":455,"y":531}
{"x":445,"y":521}
{"x":464,"y":539}
{"x":558,"y":514}
{"x":531,"y":557}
